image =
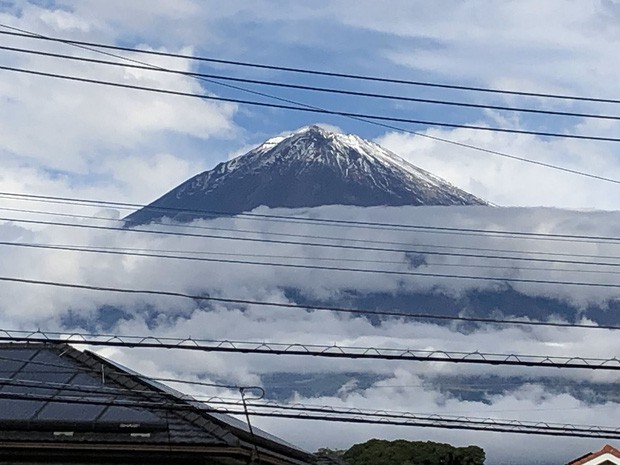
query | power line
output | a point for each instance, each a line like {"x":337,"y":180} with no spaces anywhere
{"x":312,"y":350}
{"x":416,"y":252}
{"x":182,"y":226}
{"x":313,"y":236}
{"x":269,"y":405}
{"x":31,"y":35}
{"x":330,"y":410}
{"x":319,"y":89}
{"x":57,"y":367}
{"x":151,"y":66}
{"x":331,"y":414}
{"x":182,"y":402}
{"x":306,"y":109}
{"x":199,"y":256}
{"x":389,"y":313}
{"x":326,"y":268}
{"x":316,"y":267}
{"x":540,"y":430}
{"x":308,"y":236}
{"x":332,"y":222}
{"x":399,"y":314}
{"x":99,"y":389}
{"x":311,"y":244}
{"x":106,"y":389}
{"x":311,"y":107}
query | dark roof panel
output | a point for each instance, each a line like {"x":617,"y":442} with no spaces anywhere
{"x":11,"y":409}
{"x":54,"y":393}
{"x":69,"y":412}
{"x":115,"y":413}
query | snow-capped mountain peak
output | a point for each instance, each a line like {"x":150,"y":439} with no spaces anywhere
{"x":308,"y":167}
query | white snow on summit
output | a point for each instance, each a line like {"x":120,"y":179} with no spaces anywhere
{"x":341,"y":147}
{"x":309,"y":167}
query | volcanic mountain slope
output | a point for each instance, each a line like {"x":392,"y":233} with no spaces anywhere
{"x":307,"y":168}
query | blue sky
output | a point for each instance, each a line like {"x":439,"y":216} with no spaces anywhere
{"x":558,"y":47}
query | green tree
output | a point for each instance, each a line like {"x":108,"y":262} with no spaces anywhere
{"x":402,"y":452}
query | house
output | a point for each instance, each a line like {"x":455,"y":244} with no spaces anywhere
{"x":608,"y":455}
{"x":62,"y":405}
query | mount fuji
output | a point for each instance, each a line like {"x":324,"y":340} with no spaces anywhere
{"x":307,"y":168}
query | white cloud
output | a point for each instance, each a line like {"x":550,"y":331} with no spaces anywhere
{"x":76,"y":128}
{"x":250,"y":280}
{"x":510,"y":182}
{"x":542,"y":47}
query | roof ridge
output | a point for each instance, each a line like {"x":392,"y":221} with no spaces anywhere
{"x":607,"y":449}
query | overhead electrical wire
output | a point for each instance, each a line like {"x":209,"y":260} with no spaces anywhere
{"x":182,"y":399}
{"x":318,"y":89}
{"x":307,"y":236}
{"x":202,"y":398}
{"x":86,"y":46}
{"x":199,"y":256}
{"x":332,"y":222}
{"x":31,"y":35}
{"x":336,"y":309}
{"x":177,"y":93}
{"x":475,"y":386}
{"x":146,"y":253}
{"x":417,"y":252}
{"x":328,"y":409}
{"x":332,"y":414}
{"x":100,"y":389}
{"x":312,"y":350}
{"x":506,"y":426}
{"x":340,"y":239}
{"x":175,"y":225}
{"x":304,"y":244}
{"x":420,"y":274}
{"x":58,"y":368}
{"x":107,"y":389}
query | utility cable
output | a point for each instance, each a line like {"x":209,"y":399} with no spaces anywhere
{"x":30,"y":35}
{"x":57,"y":367}
{"x":384,"y":125}
{"x":286,"y":85}
{"x":105,"y":389}
{"x":175,"y":225}
{"x":72,"y":78}
{"x":199,"y":256}
{"x":272,"y":405}
{"x":312,"y":350}
{"x":255,"y":455}
{"x":307,"y":266}
{"x":331,"y":414}
{"x":399,"y":314}
{"x":100,"y":389}
{"x":295,"y":243}
{"x":332,"y":222}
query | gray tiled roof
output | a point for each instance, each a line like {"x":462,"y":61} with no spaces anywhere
{"x":36,"y":379}
{"x":55,"y":393}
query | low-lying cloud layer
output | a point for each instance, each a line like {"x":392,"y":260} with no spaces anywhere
{"x":536,"y":394}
